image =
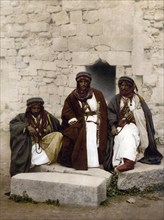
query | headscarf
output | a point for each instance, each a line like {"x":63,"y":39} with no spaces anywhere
{"x":132,"y":86}
{"x":83,"y":75}
{"x":34,"y":100}
{"x":81,"y":94}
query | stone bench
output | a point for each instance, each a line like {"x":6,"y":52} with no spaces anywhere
{"x":96,"y":172}
{"x":142,"y":176}
{"x":70,"y":189}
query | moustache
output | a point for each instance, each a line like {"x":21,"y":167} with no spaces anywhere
{"x":35,"y":114}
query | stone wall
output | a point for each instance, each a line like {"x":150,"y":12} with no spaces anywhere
{"x":44,"y":43}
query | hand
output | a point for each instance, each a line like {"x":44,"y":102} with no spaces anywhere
{"x":31,"y":130}
{"x":72,"y":122}
{"x":48,"y":129}
{"x":114,"y":130}
{"x":129,"y":116}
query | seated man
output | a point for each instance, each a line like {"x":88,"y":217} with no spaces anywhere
{"x":132,"y":130}
{"x":34,"y":137}
{"x":84,"y":126}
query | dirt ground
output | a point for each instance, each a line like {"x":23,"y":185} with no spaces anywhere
{"x":150,"y":207}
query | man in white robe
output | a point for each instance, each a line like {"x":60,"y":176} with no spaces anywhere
{"x":84,"y":126}
{"x":131,"y":135}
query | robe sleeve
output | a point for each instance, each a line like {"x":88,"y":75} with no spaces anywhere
{"x":18,"y":125}
{"x":54,"y":122}
{"x":151,"y":154}
{"x":68,"y":110}
{"x":20,"y":145}
{"x":112,"y":112}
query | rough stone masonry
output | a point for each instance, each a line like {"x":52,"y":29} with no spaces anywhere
{"x":45,"y":43}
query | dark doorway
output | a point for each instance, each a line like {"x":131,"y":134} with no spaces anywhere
{"x":103,"y":78}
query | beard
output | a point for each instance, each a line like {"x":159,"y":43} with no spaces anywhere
{"x":35,"y":114}
{"x":83,"y":94}
{"x":127,"y":93}
{"x":124,"y":92}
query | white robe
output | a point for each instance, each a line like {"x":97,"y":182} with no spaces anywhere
{"x":132,"y":139}
{"x":48,"y":150}
{"x":38,"y":156}
{"x":91,"y":133}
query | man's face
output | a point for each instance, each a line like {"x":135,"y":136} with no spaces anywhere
{"x":124,"y":87}
{"x":83,"y":84}
{"x":35,"y":109}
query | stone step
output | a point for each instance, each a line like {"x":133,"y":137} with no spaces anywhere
{"x":96,"y":172}
{"x":70,"y":189}
{"x":142,"y":176}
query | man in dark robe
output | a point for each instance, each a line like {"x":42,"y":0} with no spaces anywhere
{"x":34,"y":136}
{"x":131,"y":135}
{"x":84,"y":126}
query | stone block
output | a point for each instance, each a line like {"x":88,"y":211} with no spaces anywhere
{"x":60,"y":44}
{"x":96,"y":172}
{"x":6,"y":10}
{"x":21,"y":19}
{"x":158,"y":15}
{"x":60,"y":18}
{"x":118,"y":58}
{"x":14,"y":75}
{"x":49,"y":65}
{"x":150,"y":79}
{"x":53,"y":9}
{"x":83,"y":58}
{"x":36,"y":64}
{"x":3,"y":52}
{"x":69,"y":189}
{"x":76,"y":17}
{"x":21,"y":65}
{"x":91,"y":16}
{"x":141,"y":177}
{"x":81,"y":30}
{"x":114,"y":43}
{"x":79,"y":5}
{"x":40,"y":17}
{"x":79,"y":43}
{"x":39,"y":27}
{"x":68,"y":30}
{"x":62,"y":64}
{"x":8,"y":43}
{"x":95,"y":29}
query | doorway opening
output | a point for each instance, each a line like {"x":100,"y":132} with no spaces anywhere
{"x":103,"y":78}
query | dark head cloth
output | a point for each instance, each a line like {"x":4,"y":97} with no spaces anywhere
{"x":35,"y":100}
{"x":127,"y":79}
{"x":85,"y":75}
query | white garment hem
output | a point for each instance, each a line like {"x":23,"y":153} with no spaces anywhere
{"x":94,"y":166}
